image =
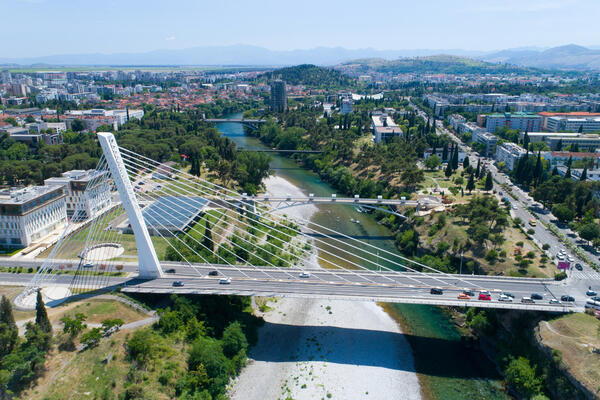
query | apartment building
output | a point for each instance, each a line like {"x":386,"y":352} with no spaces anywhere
{"x":572,"y":124}
{"x":509,"y":153}
{"x":520,"y":121}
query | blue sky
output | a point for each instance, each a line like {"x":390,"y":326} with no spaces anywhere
{"x":46,"y":27}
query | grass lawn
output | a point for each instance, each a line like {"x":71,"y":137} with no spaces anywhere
{"x":575,"y":335}
{"x":98,"y":310}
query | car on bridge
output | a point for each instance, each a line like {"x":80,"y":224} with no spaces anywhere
{"x":505,"y":298}
{"x":469,"y":293}
{"x":304,"y":274}
{"x":178,"y":283}
{"x":213,"y":273}
{"x":485,"y":296}
{"x":527,"y":300}
{"x":88,"y":265}
{"x":436,"y":291}
{"x":554,"y":301}
{"x":170,"y":271}
{"x":509,"y":294}
{"x":536,"y":296}
{"x":463,"y":296}
{"x":225,"y":281}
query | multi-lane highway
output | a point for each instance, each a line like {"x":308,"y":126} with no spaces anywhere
{"x":338,"y":284}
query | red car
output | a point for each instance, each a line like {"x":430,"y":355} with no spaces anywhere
{"x":484,"y":296}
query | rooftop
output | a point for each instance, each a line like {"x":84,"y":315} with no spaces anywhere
{"x":24,"y":195}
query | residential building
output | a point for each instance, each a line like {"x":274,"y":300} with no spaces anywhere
{"x":576,"y":114}
{"x":583,"y":142}
{"x":572,"y":124}
{"x":82,"y":200}
{"x":591,"y":174}
{"x":384,"y":127}
{"x":558,"y":158}
{"x":278,"y":96}
{"x":488,"y":140}
{"x":535,"y":137}
{"x":30,"y":214}
{"x":93,"y":118}
{"x":509,"y":153}
{"x":455,"y":120}
{"x":520,"y":120}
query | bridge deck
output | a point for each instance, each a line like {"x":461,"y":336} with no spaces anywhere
{"x":342,"y":200}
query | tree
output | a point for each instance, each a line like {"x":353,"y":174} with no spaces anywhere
{"x":489,"y":181}
{"x":77,"y":125}
{"x":471,"y":183}
{"x":466,"y":162}
{"x":584,"y":174}
{"x":433,"y":162}
{"x":559,"y":145}
{"x":234,"y":340}
{"x":108,"y":324}
{"x":526,"y":140}
{"x":455,"y":158}
{"x":448,"y":170}
{"x":9,"y":333}
{"x":92,"y":338}
{"x":478,"y":169}
{"x":589,"y":231}
{"x":41,"y":316}
{"x":73,"y":326}
{"x":563,"y":213}
{"x":521,"y":376}
{"x":445,"y":152}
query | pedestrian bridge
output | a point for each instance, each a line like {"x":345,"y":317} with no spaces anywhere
{"x":207,"y":239}
{"x":247,"y":122}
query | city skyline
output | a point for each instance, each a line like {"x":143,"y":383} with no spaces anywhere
{"x":148,"y":26}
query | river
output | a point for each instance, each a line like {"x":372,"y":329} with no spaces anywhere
{"x":429,"y":330}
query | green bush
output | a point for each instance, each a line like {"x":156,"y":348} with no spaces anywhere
{"x":559,"y":276}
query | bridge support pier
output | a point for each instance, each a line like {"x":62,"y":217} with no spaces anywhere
{"x":149,"y":266}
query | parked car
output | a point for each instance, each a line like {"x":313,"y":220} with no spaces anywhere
{"x":436,"y":291}
{"x":505,"y":298}
{"x":527,"y":300}
{"x":225,"y":281}
{"x":88,"y":265}
{"x":214,"y":272}
{"x":484,"y":296}
{"x":578,"y":267}
{"x":560,"y":256}
{"x":591,"y":292}
{"x":567,"y":298}
{"x":304,"y":274}
{"x":463,"y":296}
{"x":536,"y":296}
{"x":178,"y":283}
{"x":170,"y":271}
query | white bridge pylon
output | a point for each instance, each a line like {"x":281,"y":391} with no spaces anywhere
{"x":149,"y":266}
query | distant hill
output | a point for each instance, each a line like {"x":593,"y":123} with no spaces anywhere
{"x":309,"y":75}
{"x":571,"y":57}
{"x":438,"y":64}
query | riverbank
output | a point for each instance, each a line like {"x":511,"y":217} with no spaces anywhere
{"x":312,"y":349}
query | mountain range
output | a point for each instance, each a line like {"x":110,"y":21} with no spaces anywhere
{"x":563,"y":57}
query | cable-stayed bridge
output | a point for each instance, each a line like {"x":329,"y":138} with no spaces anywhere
{"x":167,"y":231}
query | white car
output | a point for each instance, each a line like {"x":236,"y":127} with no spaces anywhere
{"x":225,"y":281}
{"x":515,"y":207}
{"x":505,"y":298}
{"x":560,"y":256}
{"x":304,"y":275}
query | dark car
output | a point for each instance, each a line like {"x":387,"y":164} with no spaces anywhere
{"x":178,"y":283}
{"x":170,"y":271}
{"x":508,"y":294}
{"x":591,"y":292}
{"x":567,"y":298}
{"x":595,"y":298}
{"x":469,"y":293}
{"x":578,"y":267}
{"x":536,"y":296}
{"x":436,"y":291}
{"x":213,"y":273}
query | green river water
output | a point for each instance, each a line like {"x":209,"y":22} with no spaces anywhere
{"x":447,"y":369}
